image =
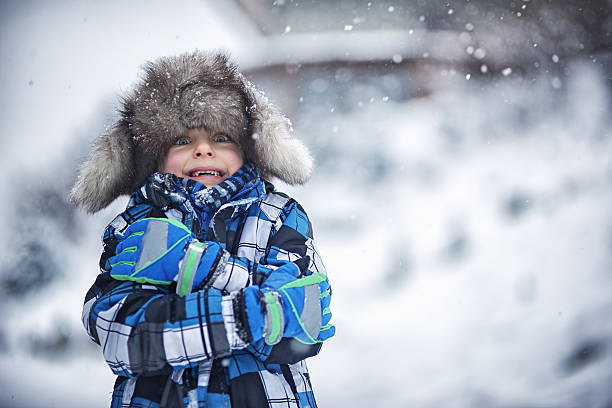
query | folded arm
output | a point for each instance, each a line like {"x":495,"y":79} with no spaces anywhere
{"x":143,"y":328}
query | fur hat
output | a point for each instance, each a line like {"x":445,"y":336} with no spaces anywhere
{"x":175,"y":94}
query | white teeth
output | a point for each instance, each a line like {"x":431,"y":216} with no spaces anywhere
{"x":205,"y":173}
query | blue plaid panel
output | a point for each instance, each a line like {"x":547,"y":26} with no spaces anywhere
{"x":118,"y":392}
{"x":123,"y":220}
{"x":139,"y":402}
{"x":298,"y":220}
{"x":199,"y":334}
{"x":242,"y":362}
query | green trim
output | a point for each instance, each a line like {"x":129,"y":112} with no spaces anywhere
{"x":189,"y":270}
{"x":135,"y":234}
{"x":129,"y":249}
{"x":198,"y":244}
{"x":313,"y":279}
{"x":140,"y":279}
{"x":326,"y":311}
{"x":325,"y":294}
{"x":307,"y":342}
{"x":323,"y":328}
{"x":275,"y":318}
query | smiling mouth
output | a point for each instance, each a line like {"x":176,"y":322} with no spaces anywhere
{"x":199,"y":173}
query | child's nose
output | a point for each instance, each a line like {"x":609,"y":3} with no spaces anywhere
{"x":203,"y":148}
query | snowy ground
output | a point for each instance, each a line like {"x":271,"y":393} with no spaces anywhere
{"x":467,"y":236}
{"x":476,"y":273}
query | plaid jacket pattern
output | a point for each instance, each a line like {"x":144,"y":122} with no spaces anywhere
{"x":171,"y":351}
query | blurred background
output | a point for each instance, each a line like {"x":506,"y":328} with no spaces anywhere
{"x":461,"y":197}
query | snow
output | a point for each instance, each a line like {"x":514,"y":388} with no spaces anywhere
{"x":498,"y":203}
{"x":467,"y":234}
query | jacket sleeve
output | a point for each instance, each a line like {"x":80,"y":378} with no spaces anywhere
{"x":290,"y":242}
{"x":146,"y":329}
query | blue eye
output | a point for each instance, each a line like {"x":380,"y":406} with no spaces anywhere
{"x":221,"y":138}
{"x":182,"y":141}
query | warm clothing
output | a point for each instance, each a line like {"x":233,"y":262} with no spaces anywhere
{"x":170,"y":350}
{"x":176,"y":94}
{"x":161,"y":345}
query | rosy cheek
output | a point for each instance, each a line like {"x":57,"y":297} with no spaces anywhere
{"x":173,"y":164}
{"x":237,"y":160}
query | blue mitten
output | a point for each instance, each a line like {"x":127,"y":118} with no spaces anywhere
{"x":286,"y":306}
{"x":161,"y":250}
{"x":327,"y":329}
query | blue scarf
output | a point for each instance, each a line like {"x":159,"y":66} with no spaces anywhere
{"x":193,"y":203}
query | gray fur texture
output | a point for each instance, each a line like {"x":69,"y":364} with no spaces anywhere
{"x":175,"y":94}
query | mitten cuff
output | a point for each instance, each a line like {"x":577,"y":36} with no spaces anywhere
{"x":188,"y":267}
{"x":200,"y":266}
{"x":233,"y":317}
{"x":265,"y":315}
{"x":241,"y":318}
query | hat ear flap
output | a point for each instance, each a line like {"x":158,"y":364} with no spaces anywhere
{"x":276,"y":152}
{"x":108,"y":172}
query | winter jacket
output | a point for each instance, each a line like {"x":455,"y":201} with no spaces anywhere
{"x":168,"y":350}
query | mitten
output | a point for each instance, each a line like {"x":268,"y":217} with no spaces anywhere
{"x":287,"y":306}
{"x":161,"y":250}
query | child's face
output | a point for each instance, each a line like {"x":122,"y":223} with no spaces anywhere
{"x":206,"y":157}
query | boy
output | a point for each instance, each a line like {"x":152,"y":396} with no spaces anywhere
{"x":211,"y":291}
